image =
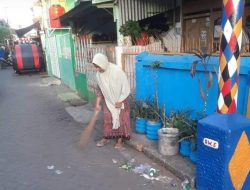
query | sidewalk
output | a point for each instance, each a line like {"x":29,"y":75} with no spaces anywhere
{"x":178,"y":165}
{"x":78,"y":107}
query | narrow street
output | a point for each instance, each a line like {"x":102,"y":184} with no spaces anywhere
{"x":38,"y":145}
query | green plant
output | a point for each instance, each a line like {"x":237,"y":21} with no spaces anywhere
{"x":152,"y":104}
{"x":153,"y":109}
{"x":204,"y":57}
{"x":182,"y":121}
{"x":154,"y":32}
{"x":155,"y":64}
{"x":131,"y":28}
{"x":138,"y":109}
{"x":5,"y":32}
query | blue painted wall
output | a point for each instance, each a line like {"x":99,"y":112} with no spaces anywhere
{"x":175,"y":87}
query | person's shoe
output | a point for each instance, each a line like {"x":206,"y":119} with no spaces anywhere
{"x":102,"y":142}
{"x":119,"y":143}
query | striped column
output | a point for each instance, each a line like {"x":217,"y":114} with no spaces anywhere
{"x":230,"y":47}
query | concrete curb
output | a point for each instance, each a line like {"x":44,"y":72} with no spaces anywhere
{"x":49,"y":81}
{"x":72,"y":98}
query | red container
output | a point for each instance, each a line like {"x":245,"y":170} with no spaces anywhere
{"x":143,"y":39}
{"x":28,"y":57}
{"x":55,"y":11}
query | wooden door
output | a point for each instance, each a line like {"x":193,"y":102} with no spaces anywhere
{"x":197,"y":33}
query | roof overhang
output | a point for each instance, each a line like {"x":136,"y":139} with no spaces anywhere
{"x":22,"y":31}
{"x":77,"y":11}
{"x":88,"y":16}
{"x":103,"y":3}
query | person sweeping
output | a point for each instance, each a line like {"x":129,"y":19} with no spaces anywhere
{"x":113,"y":87}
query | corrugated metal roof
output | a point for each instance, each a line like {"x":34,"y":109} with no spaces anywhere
{"x":140,"y":9}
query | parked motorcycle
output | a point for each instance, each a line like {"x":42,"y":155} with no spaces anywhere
{"x":6,"y":62}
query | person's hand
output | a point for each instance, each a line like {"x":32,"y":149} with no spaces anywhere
{"x":98,"y":105}
{"x":118,"y":104}
{"x":98,"y":108}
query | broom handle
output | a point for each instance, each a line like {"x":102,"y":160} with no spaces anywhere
{"x":93,"y":119}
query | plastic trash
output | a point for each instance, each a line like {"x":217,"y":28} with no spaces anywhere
{"x":142,"y":168}
{"x":59,"y":172}
{"x":152,"y":172}
{"x":164,"y":179}
{"x":145,"y":169}
{"x":186,"y":185}
{"x":147,"y":176}
{"x":50,"y":167}
{"x":114,"y":161}
{"x":131,"y":164}
{"x":173,"y":184}
{"x":126,"y":167}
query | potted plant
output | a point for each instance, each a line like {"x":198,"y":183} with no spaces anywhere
{"x":153,"y":118}
{"x":187,"y":128}
{"x":188,"y":147}
{"x":143,"y":39}
{"x":154,"y":34}
{"x":153,"y":110}
{"x":131,"y":30}
{"x":193,"y":140}
{"x":203,"y":58}
{"x":193,"y":152}
{"x":139,"y":112}
{"x":168,"y":144}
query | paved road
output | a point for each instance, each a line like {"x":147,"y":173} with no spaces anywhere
{"x":38,"y":145}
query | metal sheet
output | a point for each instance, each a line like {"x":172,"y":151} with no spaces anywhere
{"x":140,"y":9}
{"x":53,"y":56}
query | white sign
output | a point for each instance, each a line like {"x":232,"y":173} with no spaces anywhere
{"x":203,"y":35}
{"x":211,"y":143}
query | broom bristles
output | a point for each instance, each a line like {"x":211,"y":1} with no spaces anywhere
{"x":85,"y":135}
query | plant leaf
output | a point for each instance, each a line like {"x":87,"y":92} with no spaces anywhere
{"x":201,"y":91}
{"x":210,"y":80}
{"x":198,"y":54}
{"x":216,"y":72}
{"x":193,"y":68}
{"x":204,"y":50}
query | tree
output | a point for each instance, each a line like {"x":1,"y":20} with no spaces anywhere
{"x":4,"y":31}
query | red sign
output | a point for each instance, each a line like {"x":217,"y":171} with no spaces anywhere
{"x":211,"y":143}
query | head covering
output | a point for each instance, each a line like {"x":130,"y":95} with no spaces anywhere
{"x":114,"y":85}
{"x":101,"y":60}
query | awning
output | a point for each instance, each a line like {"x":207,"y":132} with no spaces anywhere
{"x":157,"y":22}
{"x":88,"y":18}
{"x":22,"y":31}
{"x":75,"y":12}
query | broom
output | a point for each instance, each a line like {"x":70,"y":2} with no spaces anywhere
{"x":85,"y":135}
